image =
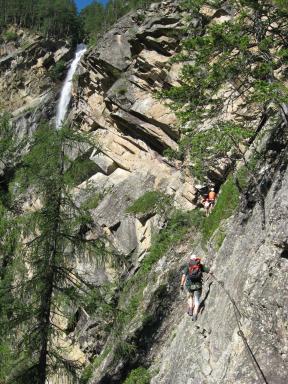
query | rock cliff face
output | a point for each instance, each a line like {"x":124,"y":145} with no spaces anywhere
{"x":252,"y":263}
{"x":114,"y":99}
{"x":27,"y":88}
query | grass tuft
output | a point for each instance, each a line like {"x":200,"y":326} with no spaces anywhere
{"x":226,"y":204}
{"x":90,"y":368}
{"x":138,"y":376}
{"x":149,"y":201}
{"x":92,"y":202}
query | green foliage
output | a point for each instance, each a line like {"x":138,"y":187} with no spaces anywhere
{"x":131,"y":297}
{"x":92,"y":202}
{"x":215,"y":142}
{"x":96,"y":301}
{"x":226,"y":204}
{"x":177,"y":227}
{"x":151,"y":200}
{"x":123,"y":349}
{"x":59,"y":17}
{"x":9,"y":304}
{"x":9,"y":35}
{"x":50,"y":17}
{"x":80,"y":169}
{"x":243,"y":176}
{"x":240,"y":55}
{"x":97,"y":18}
{"x":138,"y":376}
{"x":141,"y":17}
{"x":219,"y":238}
{"x":116,"y":73}
{"x":86,"y":374}
{"x":51,"y":236}
{"x":57,"y":71}
{"x":93,"y":20}
{"x":75,"y":78}
{"x":89,"y":369}
{"x":282,"y":4}
{"x":122,"y":91}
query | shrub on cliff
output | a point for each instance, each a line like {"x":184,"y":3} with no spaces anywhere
{"x":228,"y":66}
{"x":138,"y":376}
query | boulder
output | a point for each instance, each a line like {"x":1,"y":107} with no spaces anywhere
{"x":105,"y":164}
{"x":112,"y":208}
{"x":115,"y":50}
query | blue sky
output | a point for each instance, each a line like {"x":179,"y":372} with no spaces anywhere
{"x":82,"y":3}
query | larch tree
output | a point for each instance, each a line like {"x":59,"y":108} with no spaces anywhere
{"x":228,"y":65}
{"x":45,"y":285}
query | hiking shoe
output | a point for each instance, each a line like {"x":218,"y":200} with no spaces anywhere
{"x":194,"y":317}
{"x":189,"y":312}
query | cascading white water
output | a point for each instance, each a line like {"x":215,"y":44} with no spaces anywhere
{"x":65,"y":96}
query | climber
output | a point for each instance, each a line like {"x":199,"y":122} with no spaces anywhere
{"x":211,"y":199}
{"x":192,"y":279}
{"x":206,"y":204}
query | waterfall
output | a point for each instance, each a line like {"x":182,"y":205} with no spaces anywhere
{"x":67,"y":87}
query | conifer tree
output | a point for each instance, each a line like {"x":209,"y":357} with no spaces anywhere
{"x":50,"y":17}
{"x":10,"y":153}
{"x":97,"y":18}
{"x":228,"y":65}
{"x":241,"y":54}
{"x":51,"y":237}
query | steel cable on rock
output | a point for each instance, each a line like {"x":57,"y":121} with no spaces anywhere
{"x":237,"y":314}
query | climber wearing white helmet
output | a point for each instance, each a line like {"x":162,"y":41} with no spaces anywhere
{"x":192,"y":279}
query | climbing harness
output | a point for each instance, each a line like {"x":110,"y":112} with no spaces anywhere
{"x":237,"y":313}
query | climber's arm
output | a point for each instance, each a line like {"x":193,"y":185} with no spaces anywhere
{"x":183,"y":279}
{"x":206,"y":269}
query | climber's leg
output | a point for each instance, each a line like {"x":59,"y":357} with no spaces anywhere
{"x":197,"y":296}
{"x":190,"y":303}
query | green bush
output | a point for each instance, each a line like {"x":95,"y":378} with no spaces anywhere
{"x":124,"y":350}
{"x":226,"y":204}
{"x":10,"y":36}
{"x":81,"y":169}
{"x":178,"y":225}
{"x":58,"y":70}
{"x":122,"y":91}
{"x":149,"y":201}
{"x":86,"y":374}
{"x":243,"y":177}
{"x":138,"y":376}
